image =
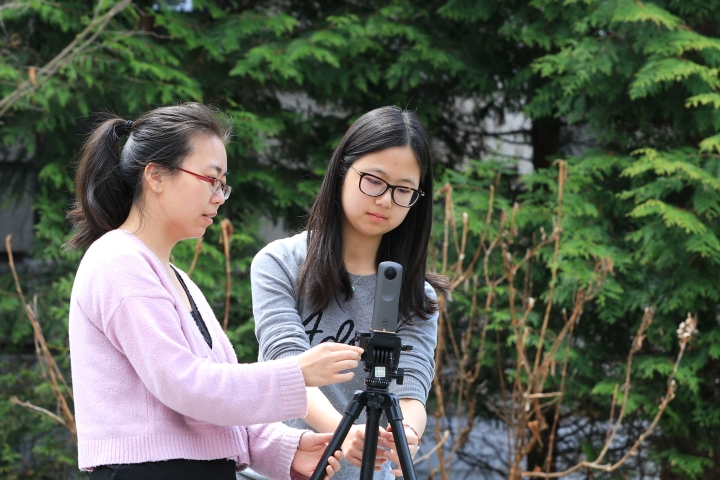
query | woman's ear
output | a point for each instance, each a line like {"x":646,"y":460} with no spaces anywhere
{"x":153,"y":176}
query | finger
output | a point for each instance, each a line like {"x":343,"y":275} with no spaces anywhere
{"x":338,"y":347}
{"x":378,"y":464}
{"x":342,"y":356}
{"x":323,"y":437}
{"x":350,"y":348}
{"x":356,"y":461}
{"x":342,"y":377}
{"x":410,"y":436}
{"x":353,"y":455}
{"x":330,"y":470}
{"x":333,"y":464}
{"x":359,"y":433}
{"x":346,"y":365}
{"x":312,"y":441}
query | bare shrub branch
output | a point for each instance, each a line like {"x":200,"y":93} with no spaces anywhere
{"x":524,"y":401}
{"x":48,"y":367}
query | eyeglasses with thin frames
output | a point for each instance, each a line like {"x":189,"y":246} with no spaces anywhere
{"x":217,"y":184}
{"x":375,"y":186}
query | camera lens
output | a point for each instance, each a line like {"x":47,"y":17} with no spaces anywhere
{"x":390,"y":273}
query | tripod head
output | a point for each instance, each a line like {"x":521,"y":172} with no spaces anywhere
{"x":382,"y":345}
{"x":381,"y":357}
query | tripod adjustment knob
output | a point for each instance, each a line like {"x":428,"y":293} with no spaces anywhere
{"x":399,"y":375}
{"x":406,"y":348}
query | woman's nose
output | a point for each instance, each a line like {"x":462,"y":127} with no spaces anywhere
{"x":218,"y":197}
{"x":385,"y":200}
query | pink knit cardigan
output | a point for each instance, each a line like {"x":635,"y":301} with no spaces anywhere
{"x":147,"y":386}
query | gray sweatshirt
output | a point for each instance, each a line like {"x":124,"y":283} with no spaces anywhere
{"x":286,"y":326}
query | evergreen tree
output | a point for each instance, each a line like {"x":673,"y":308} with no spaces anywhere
{"x":625,"y":91}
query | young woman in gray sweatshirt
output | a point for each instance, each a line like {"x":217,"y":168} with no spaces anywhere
{"x":374,"y":205}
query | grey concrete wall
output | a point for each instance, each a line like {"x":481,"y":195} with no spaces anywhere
{"x":17,"y":219}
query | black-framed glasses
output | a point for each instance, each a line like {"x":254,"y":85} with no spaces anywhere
{"x":217,"y":184}
{"x":375,"y":186}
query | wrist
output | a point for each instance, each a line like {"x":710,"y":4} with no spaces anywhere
{"x":407,"y":425}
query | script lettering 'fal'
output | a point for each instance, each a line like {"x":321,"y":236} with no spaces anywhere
{"x":345,"y":333}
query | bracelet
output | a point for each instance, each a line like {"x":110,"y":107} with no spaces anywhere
{"x":413,"y":430}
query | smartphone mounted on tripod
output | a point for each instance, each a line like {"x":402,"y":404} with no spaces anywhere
{"x":382,"y":345}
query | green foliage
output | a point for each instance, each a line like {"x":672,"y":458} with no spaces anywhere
{"x":638,"y":80}
{"x":651,"y":211}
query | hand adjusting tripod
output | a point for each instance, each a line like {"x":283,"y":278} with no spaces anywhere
{"x":382,"y":352}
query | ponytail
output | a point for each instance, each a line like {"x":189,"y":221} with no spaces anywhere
{"x":109,"y":178}
{"x":104,"y":198}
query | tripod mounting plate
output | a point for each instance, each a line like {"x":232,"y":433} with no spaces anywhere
{"x":381,"y":357}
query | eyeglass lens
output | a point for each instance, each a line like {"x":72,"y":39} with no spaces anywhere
{"x":218,"y":187}
{"x":373,"y":186}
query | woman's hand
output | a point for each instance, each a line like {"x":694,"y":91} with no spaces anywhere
{"x":353,"y":445}
{"x":389,"y":442}
{"x":322,"y":364}
{"x":312,"y":446}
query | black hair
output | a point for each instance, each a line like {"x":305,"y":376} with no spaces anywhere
{"x":323,"y":273}
{"x":109,"y":178}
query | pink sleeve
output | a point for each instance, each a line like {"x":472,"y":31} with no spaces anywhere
{"x":147,"y":330}
{"x":272,"y":448}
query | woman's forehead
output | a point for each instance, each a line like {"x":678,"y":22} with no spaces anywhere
{"x":208,"y":154}
{"x":397,"y":163}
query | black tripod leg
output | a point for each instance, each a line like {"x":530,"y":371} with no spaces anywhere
{"x":372,"y":426}
{"x":394,"y":416}
{"x":352,"y":411}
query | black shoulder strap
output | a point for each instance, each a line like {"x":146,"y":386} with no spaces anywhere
{"x":195,"y":312}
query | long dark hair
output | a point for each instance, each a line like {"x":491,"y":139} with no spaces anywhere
{"x":323,"y":273}
{"x":109,"y":178}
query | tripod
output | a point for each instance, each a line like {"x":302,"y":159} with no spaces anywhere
{"x":382,"y":351}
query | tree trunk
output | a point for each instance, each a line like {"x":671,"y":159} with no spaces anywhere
{"x":545,"y":138}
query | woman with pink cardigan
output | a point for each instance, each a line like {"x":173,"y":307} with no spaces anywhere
{"x":159,"y":393}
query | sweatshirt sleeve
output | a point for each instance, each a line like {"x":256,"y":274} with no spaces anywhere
{"x":419,"y":363}
{"x":278,"y":326}
{"x":147,"y":330}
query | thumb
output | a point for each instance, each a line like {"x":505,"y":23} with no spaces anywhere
{"x":309,"y":440}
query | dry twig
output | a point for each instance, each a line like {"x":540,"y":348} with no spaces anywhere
{"x":227,"y":231}
{"x":198,"y":249}
{"x":48,"y":368}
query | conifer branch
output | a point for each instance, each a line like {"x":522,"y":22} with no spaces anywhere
{"x":77,"y":46}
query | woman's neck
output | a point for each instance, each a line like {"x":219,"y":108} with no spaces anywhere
{"x":150,"y":235}
{"x":359,"y":254}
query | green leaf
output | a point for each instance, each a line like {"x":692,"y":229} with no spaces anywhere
{"x":711,"y":144}
{"x":672,"y":216}
{"x":703,"y":99}
{"x":631,"y":11}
